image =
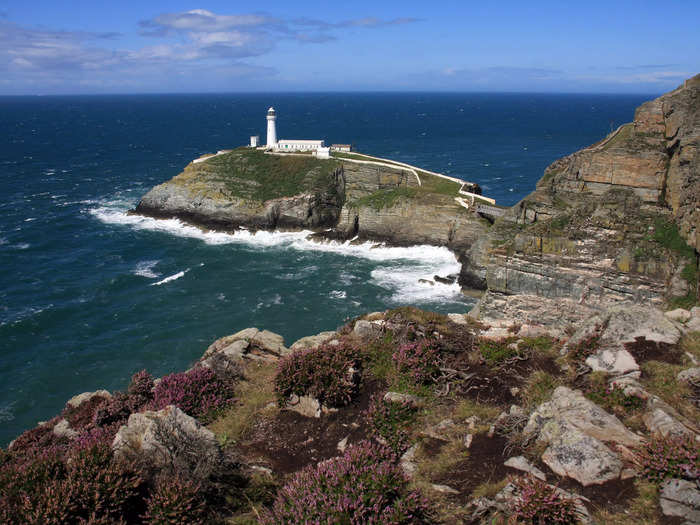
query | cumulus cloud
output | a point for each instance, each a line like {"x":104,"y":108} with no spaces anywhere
{"x":182,"y":41}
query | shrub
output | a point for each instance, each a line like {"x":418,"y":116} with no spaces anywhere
{"x":175,"y":500}
{"x":197,"y":392}
{"x":677,"y":457}
{"x":364,"y":485}
{"x":325,"y":373}
{"x":83,"y":415}
{"x":141,"y":386}
{"x":585,"y":347}
{"x":539,"y":503}
{"x":389,"y":421}
{"x":418,"y":360}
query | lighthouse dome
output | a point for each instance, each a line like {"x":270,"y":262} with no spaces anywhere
{"x":271,"y":111}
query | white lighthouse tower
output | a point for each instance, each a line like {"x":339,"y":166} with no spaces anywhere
{"x":271,"y":128}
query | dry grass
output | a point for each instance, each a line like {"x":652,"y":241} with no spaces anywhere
{"x":538,"y":388}
{"x":660,"y":378}
{"x":254,"y":394}
{"x":432,"y":467}
{"x":690,"y":343}
{"x":489,"y":489}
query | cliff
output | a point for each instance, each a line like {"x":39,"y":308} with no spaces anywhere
{"x":615,"y":222}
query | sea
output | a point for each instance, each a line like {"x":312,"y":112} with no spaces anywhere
{"x":90,"y":295}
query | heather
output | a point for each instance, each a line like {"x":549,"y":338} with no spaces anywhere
{"x":176,"y":501}
{"x":418,"y":360}
{"x":674,"y":456}
{"x":540,"y":503}
{"x":326,"y":373}
{"x":197,"y":392}
{"x":364,"y":485}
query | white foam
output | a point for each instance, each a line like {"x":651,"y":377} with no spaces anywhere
{"x":399,"y":271}
{"x":171,"y":278}
{"x":145,"y":269}
{"x":338,"y":294}
{"x":6,"y":412}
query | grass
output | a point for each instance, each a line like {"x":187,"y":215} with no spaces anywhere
{"x":660,"y":378}
{"x":622,"y":136}
{"x":538,"y":388}
{"x":666,"y":233}
{"x":489,"y":489}
{"x":643,"y":509}
{"x":433,"y":466}
{"x":496,"y":353}
{"x":252,"y":174}
{"x":254,"y":393}
{"x":691,"y":343}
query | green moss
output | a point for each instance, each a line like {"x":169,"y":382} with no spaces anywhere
{"x":666,"y":233}
{"x":496,"y":352}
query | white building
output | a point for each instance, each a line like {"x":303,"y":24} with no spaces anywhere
{"x":288,"y":144}
{"x":323,"y":153}
{"x":341,"y":147}
{"x":299,"y":145}
{"x":254,"y":141}
{"x":271,"y":128}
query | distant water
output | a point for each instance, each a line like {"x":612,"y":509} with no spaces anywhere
{"x":89,"y":295}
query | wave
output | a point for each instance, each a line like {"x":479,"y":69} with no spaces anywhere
{"x":6,"y":412}
{"x":171,"y":277}
{"x":145,"y":269}
{"x":400,"y":269}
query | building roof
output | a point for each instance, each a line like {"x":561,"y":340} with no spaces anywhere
{"x":341,"y":145}
{"x":300,"y":141}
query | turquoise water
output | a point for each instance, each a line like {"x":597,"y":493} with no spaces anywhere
{"x":89,"y":295}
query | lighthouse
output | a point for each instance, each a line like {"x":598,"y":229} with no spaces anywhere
{"x":271,"y":128}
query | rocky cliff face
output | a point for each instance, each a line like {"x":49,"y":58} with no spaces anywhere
{"x":608,"y":223}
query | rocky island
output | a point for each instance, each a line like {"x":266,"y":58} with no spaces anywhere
{"x":570,"y":394}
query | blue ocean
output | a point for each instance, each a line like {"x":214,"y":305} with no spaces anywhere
{"x":89,"y":295}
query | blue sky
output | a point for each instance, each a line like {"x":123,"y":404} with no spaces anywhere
{"x":56,"y":46}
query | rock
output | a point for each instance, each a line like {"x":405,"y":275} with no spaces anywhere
{"x":342,"y":444}
{"x":78,"y":400}
{"x":449,"y":279}
{"x":443,"y":489}
{"x":520,"y":463}
{"x":661,"y":423}
{"x":442,"y":431}
{"x":693,"y":325}
{"x":398,"y":397}
{"x":581,"y":457}
{"x":680,"y":498}
{"x":305,"y":405}
{"x":679,"y":314}
{"x":571,"y":408}
{"x":250,"y":343}
{"x":530,"y":330}
{"x":366,"y":329}
{"x":615,"y":362}
{"x":689,"y":375}
{"x":468,"y":439}
{"x":627,"y":323}
{"x":426,"y":281}
{"x":458,"y":318}
{"x":407,"y":461}
{"x":312,"y":341}
{"x":62,"y":429}
{"x":263,"y":470}
{"x":168,"y":439}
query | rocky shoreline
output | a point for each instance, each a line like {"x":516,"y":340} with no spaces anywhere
{"x":571,"y":392}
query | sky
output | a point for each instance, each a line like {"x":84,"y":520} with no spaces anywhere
{"x":154,"y":46}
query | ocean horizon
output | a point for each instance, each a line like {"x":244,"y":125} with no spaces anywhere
{"x":90,"y":294}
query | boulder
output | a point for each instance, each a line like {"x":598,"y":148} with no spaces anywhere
{"x":573,"y":409}
{"x":409,"y":399}
{"x":307,"y":406}
{"x":78,"y":400}
{"x":168,"y":439}
{"x":251,"y":344}
{"x":689,"y":375}
{"x":312,"y":341}
{"x":62,"y":429}
{"x":408,"y":461}
{"x":520,"y":463}
{"x":458,"y":318}
{"x":660,"y":423}
{"x":443,"y":489}
{"x":680,"y":315}
{"x":681,"y":498}
{"x":615,"y":362}
{"x":366,"y":329}
{"x":581,"y":457}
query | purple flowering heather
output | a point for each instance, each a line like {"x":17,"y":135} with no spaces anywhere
{"x":197,"y":392}
{"x":418,"y":360}
{"x":677,"y":456}
{"x":540,"y":503}
{"x":323,"y":373}
{"x":363,"y":486}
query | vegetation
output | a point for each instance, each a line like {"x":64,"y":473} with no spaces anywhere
{"x":676,"y":457}
{"x":541,"y":503}
{"x":390,"y":421}
{"x":364,"y":485}
{"x":252,"y":174}
{"x":384,"y":198}
{"x":324,"y":373}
